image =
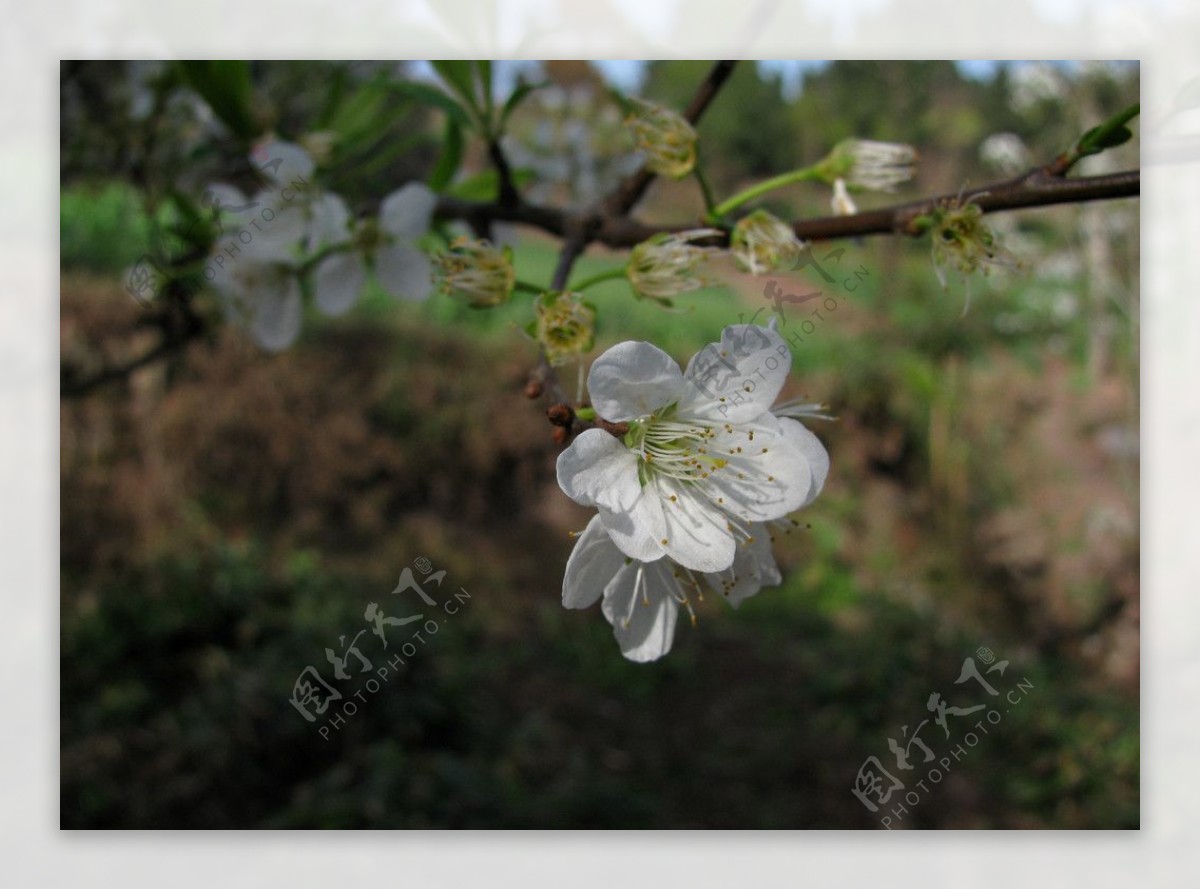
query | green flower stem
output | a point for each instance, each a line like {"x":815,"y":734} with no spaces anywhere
{"x":804,"y":174}
{"x":528,"y":288}
{"x":585,"y":413}
{"x":607,"y":275}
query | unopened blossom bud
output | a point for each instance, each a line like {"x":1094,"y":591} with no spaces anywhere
{"x":565,"y":325}
{"x":666,"y":137}
{"x":761,"y":242}
{"x":841,"y":202}
{"x":867,"y":164}
{"x":670,"y":264}
{"x":476,"y":272}
{"x":963,"y":241}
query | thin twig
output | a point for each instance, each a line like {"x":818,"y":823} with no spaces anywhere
{"x":178,"y":332}
{"x":508,"y":196}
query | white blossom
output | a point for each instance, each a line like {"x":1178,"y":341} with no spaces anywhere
{"x":703,"y":457}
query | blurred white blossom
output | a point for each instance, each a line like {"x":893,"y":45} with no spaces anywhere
{"x":1005,"y":152}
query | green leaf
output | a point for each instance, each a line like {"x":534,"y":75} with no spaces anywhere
{"x":458,"y":73}
{"x":485,"y":185}
{"x":360,"y":117}
{"x":483,"y":70}
{"x":1097,"y":139}
{"x":518,"y":96}
{"x":225,"y":85}
{"x":451,"y":157}
{"x":433,"y":97}
{"x":333,"y":98}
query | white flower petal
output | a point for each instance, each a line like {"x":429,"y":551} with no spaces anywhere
{"x":406,"y":213}
{"x":279,"y":228}
{"x":633,"y":380}
{"x":643,"y":616}
{"x":767,"y":473}
{"x":282,"y":162}
{"x":593,"y":564}
{"x":338,"y":282}
{"x":753,"y":568}
{"x":226,"y":198}
{"x":814,"y":452}
{"x":329,"y":222}
{"x":276,"y":313}
{"x":404,"y":272}
{"x":639,"y":530}
{"x":737,"y":379}
{"x":597,"y":470}
{"x":697,"y":534}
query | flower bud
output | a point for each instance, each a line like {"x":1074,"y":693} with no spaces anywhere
{"x":667,"y":139}
{"x":565,"y":325}
{"x":669,"y":264}
{"x":476,"y":272}
{"x":867,"y":164}
{"x":762,"y":242}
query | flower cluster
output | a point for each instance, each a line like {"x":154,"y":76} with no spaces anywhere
{"x":686,"y":495}
{"x":291,"y":229}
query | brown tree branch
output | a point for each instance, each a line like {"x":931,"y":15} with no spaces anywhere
{"x":1036,"y":188}
{"x":1033,"y":189}
{"x":508,"y":195}
{"x":178,"y":330}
